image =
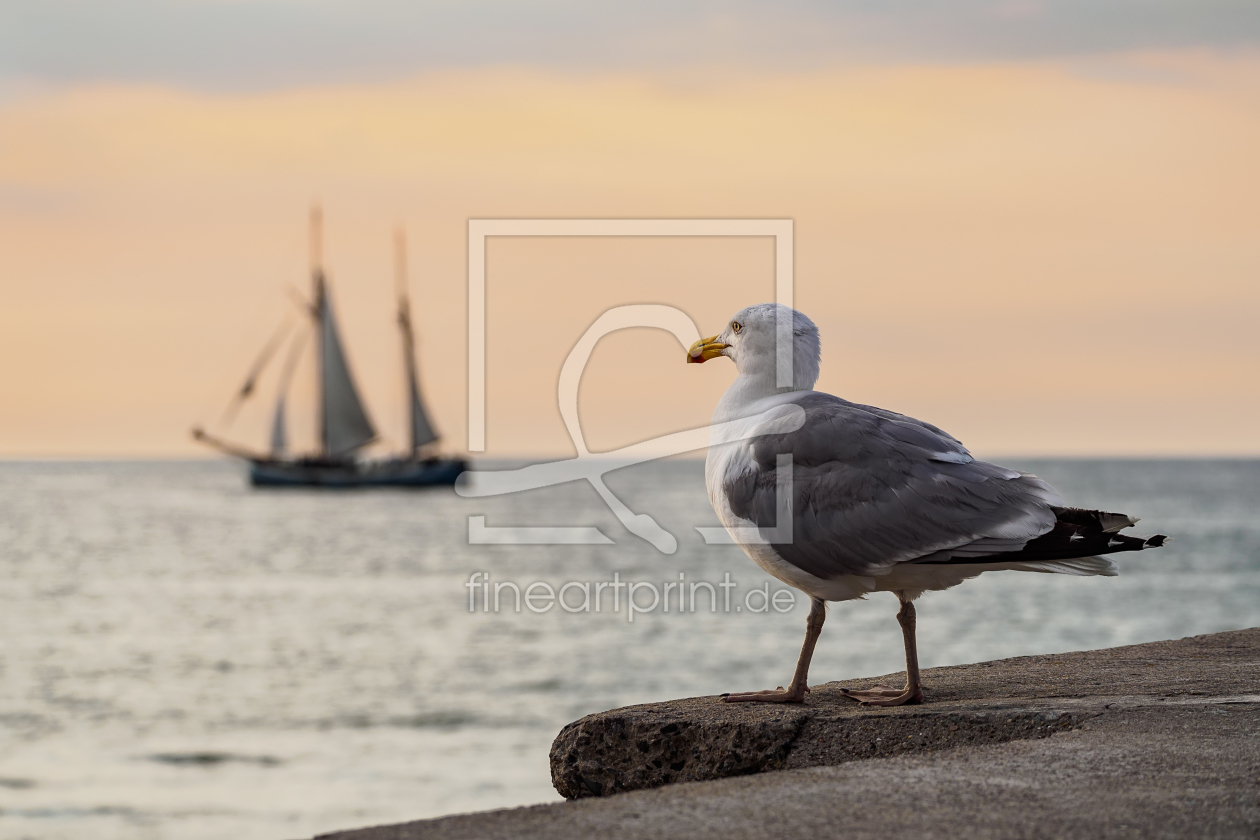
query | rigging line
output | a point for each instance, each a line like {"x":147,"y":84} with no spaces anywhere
{"x":300,"y":302}
{"x":251,"y":380}
{"x":290,"y":363}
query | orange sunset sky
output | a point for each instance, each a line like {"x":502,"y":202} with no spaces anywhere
{"x":1044,"y":247}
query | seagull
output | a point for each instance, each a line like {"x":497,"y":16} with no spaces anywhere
{"x":879,"y":502}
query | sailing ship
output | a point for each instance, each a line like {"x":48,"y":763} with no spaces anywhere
{"x":343,"y":425}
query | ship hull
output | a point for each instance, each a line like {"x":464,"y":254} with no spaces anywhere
{"x":433,"y":472}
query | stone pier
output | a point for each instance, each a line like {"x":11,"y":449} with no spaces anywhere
{"x":1153,"y":740}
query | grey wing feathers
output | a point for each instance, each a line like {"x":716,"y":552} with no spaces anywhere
{"x":872,"y":488}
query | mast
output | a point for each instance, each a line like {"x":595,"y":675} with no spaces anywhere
{"x":317,"y":310}
{"x":343,"y":422}
{"x":420,"y":429}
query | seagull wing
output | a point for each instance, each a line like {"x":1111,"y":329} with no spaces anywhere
{"x":872,"y":488}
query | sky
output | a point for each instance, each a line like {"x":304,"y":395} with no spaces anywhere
{"x":1033,"y":224}
{"x":248,"y":45}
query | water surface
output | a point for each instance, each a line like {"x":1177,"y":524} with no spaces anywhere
{"x":184,"y":657}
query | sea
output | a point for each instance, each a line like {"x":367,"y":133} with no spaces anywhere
{"x":182,"y":656}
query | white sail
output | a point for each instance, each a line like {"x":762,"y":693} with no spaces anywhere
{"x":421,"y":429}
{"x":345,"y":424}
{"x":279,"y":427}
{"x":279,"y":440}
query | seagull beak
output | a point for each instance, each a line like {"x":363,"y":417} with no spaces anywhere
{"x":705,"y":349}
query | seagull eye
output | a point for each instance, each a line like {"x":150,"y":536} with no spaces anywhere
{"x":736,"y":326}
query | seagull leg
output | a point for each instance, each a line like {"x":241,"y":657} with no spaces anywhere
{"x":913,"y":692}
{"x":795,"y":692}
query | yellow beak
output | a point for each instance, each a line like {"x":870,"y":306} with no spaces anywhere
{"x":705,"y":349}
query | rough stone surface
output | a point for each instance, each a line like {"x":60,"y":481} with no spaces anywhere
{"x":1162,"y":740}
{"x":992,"y":702}
{"x":649,"y":746}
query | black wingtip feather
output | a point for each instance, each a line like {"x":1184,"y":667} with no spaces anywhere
{"x":1077,"y":533}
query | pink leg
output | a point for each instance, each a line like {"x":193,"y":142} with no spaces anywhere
{"x":795,"y":692}
{"x":913,"y":692}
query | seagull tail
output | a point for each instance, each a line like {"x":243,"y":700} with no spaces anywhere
{"x":1078,"y":535}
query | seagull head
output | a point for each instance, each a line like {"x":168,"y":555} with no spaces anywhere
{"x":750,"y":339}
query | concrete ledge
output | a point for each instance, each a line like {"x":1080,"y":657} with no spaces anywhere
{"x":1158,"y":740}
{"x":702,"y":738}
{"x":691,"y":741}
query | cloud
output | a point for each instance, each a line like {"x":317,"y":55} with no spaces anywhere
{"x":252,"y":44}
